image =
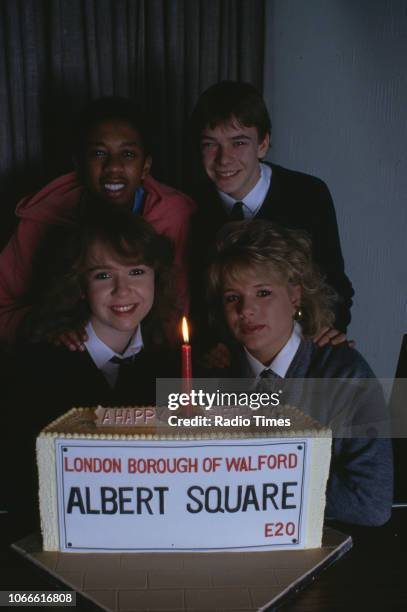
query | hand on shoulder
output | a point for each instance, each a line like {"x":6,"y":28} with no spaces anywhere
{"x":218,"y":357}
{"x":330,"y":335}
{"x":71,"y":339}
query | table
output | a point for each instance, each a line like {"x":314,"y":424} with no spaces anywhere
{"x":372,"y":576}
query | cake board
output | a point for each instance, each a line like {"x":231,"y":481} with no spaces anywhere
{"x":187,"y":581}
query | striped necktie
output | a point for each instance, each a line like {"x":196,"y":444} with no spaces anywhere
{"x":268,"y":381}
{"x":269,"y":374}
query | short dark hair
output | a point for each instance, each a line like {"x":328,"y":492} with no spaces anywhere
{"x":106,"y":109}
{"x":230,"y":99}
{"x":61,"y":306}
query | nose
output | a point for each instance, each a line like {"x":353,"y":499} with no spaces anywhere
{"x":246,"y":308}
{"x":223,"y":155}
{"x":113,"y":163}
{"x":121,"y":286}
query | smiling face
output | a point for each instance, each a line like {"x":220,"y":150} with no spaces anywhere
{"x":230,"y":155}
{"x":259,"y":310}
{"x":115,"y":162}
{"x":120,"y":294}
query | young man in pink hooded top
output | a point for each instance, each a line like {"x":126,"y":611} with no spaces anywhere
{"x":113,"y":163}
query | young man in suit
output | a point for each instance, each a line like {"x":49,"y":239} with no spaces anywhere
{"x":230,"y":135}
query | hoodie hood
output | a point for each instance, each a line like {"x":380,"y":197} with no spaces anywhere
{"x":55,"y":204}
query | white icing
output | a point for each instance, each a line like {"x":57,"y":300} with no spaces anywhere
{"x":318,"y":468}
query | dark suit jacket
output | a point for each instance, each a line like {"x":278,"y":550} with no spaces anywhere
{"x":294,"y":200}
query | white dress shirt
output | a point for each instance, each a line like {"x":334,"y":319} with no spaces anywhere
{"x":282,"y":360}
{"x":101,"y":354}
{"x":254,"y":199}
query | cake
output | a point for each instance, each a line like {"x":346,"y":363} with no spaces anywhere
{"x":108,"y":487}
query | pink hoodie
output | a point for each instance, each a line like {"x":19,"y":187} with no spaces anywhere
{"x":169,"y":212}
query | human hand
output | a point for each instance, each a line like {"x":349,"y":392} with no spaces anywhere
{"x":218,"y":357}
{"x":72,"y":339}
{"x":330,"y":335}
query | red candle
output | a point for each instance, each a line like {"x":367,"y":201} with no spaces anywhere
{"x":186,"y":354}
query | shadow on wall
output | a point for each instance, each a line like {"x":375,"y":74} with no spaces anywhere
{"x":56,"y":121}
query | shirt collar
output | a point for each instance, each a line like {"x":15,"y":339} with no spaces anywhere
{"x":102,"y":354}
{"x":254,"y":199}
{"x":138,"y":200}
{"x":283,"y":359}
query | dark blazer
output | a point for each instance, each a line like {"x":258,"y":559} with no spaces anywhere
{"x":50,"y":380}
{"x":45,"y":382}
{"x":294,"y":200}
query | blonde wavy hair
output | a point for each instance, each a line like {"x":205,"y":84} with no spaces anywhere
{"x":287,"y":255}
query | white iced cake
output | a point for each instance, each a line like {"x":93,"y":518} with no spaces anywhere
{"x":110,"y":488}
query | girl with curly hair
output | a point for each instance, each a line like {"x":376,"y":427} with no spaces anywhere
{"x":113,"y":277}
{"x":265,"y":290}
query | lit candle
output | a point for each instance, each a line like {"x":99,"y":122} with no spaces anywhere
{"x":186,"y":358}
{"x":186,"y":364}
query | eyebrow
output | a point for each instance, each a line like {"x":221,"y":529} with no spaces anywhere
{"x":237,"y":137}
{"x":130,"y":264}
{"x":132,"y":143}
{"x":254,"y":286}
{"x":94,"y":268}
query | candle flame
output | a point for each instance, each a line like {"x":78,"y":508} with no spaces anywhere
{"x":185,"y":330}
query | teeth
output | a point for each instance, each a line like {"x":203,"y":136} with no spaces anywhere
{"x":114,"y":186}
{"x":122,"y":308}
{"x":231,"y":173}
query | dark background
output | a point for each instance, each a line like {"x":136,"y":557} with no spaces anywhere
{"x":57,"y":55}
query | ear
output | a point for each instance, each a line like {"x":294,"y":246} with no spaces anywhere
{"x":295,"y":295}
{"x":263,"y":146}
{"x":147,"y":166}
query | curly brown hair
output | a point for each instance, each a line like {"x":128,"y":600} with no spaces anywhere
{"x":61,"y":305}
{"x":286,"y":253}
